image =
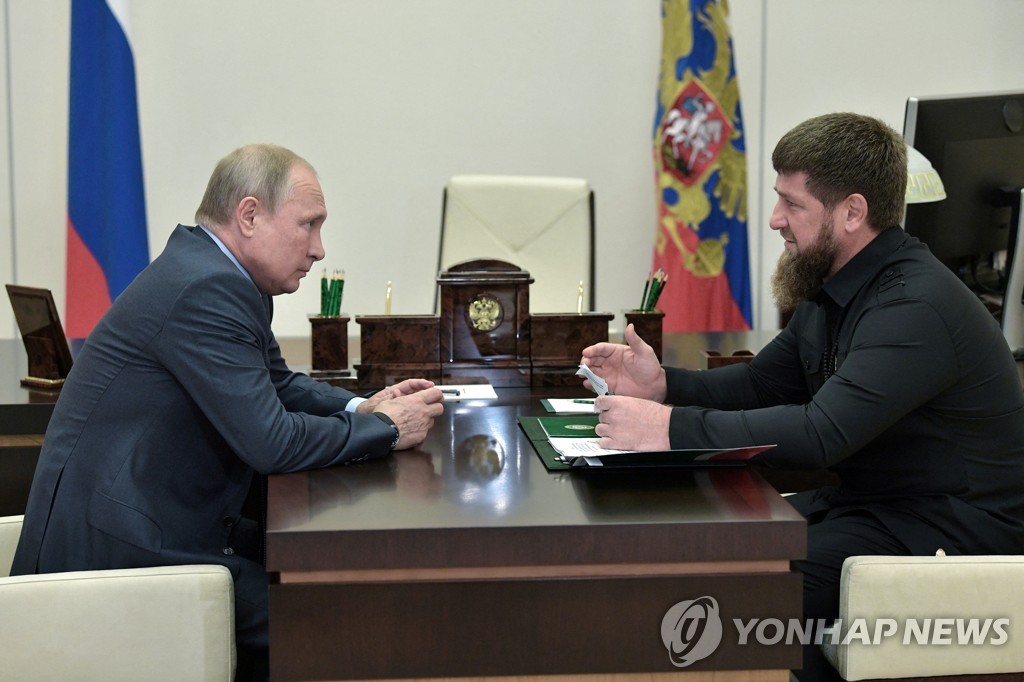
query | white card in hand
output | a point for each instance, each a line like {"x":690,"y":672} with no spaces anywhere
{"x":599,"y":384}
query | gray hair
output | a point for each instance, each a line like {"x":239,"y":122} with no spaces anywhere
{"x":262,"y":171}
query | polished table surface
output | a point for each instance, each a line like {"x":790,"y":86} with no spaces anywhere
{"x":478,"y":475}
{"x":466,"y":557}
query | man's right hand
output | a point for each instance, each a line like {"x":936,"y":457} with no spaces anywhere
{"x":413,"y":414}
{"x":631,"y":370}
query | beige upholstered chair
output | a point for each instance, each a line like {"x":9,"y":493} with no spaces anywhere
{"x":166,"y":623}
{"x":543,"y":225}
{"x":960,"y":588}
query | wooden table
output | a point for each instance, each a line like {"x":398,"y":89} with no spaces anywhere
{"x":24,"y":414}
{"x":467,"y":558}
{"x":23,"y":411}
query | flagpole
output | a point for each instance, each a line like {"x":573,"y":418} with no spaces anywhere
{"x":10,"y":144}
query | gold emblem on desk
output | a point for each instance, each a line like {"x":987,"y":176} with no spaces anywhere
{"x":484,"y":313}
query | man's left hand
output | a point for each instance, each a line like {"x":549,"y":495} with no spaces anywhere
{"x":407,"y":387}
{"x":632,"y":423}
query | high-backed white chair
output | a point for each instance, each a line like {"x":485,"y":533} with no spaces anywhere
{"x":544,"y":225}
{"x":890,"y":591}
{"x":167,"y":623}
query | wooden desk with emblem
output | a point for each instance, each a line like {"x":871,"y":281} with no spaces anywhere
{"x":484,"y":333}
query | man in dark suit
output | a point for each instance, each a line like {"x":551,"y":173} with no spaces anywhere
{"x":180,"y":400}
{"x":891,"y":373}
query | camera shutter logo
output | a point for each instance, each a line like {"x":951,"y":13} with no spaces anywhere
{"x":691,"y":630}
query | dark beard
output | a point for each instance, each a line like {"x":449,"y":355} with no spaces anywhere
{"x":797,"y":275}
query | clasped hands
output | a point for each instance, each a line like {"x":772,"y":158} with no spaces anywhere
{"x":634,"y":418}
{"x":412,"y":404}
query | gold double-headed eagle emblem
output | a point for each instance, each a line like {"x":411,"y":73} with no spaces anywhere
{"x":484,"y":313}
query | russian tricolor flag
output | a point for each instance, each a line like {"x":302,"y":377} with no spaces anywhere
{"x":107,"y":244}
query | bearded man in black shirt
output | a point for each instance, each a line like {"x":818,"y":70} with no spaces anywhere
{"x":890,"y":373}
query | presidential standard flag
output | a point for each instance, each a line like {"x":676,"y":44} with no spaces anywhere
{"x":701,"y":172}
{"x":106,"y":236}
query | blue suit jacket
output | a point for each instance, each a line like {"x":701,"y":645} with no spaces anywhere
{"x":177,"y":397}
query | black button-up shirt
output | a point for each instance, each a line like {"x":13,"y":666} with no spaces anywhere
{"x":916,"y":404}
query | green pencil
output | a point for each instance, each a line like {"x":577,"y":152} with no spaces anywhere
{"x":324,"y":294}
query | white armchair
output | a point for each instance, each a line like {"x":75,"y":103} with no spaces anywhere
{"x":163,"y":623}
{"x":544,"y":225}
{"x":943,"y":593}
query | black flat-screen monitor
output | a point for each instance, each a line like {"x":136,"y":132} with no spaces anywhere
{"x":976,"y":144}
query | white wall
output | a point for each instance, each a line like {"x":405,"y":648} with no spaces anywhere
{"x":388,"y":98}
{"x":869,"y":56}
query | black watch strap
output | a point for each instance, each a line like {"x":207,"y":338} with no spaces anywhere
{"x":390,"y":422}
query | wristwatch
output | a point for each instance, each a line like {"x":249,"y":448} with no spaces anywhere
{"x":394,"y":427}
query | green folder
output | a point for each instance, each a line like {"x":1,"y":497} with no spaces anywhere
{"x":539,"y":439}
{"x":576,"y":426}
{"x":540,"y":431}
